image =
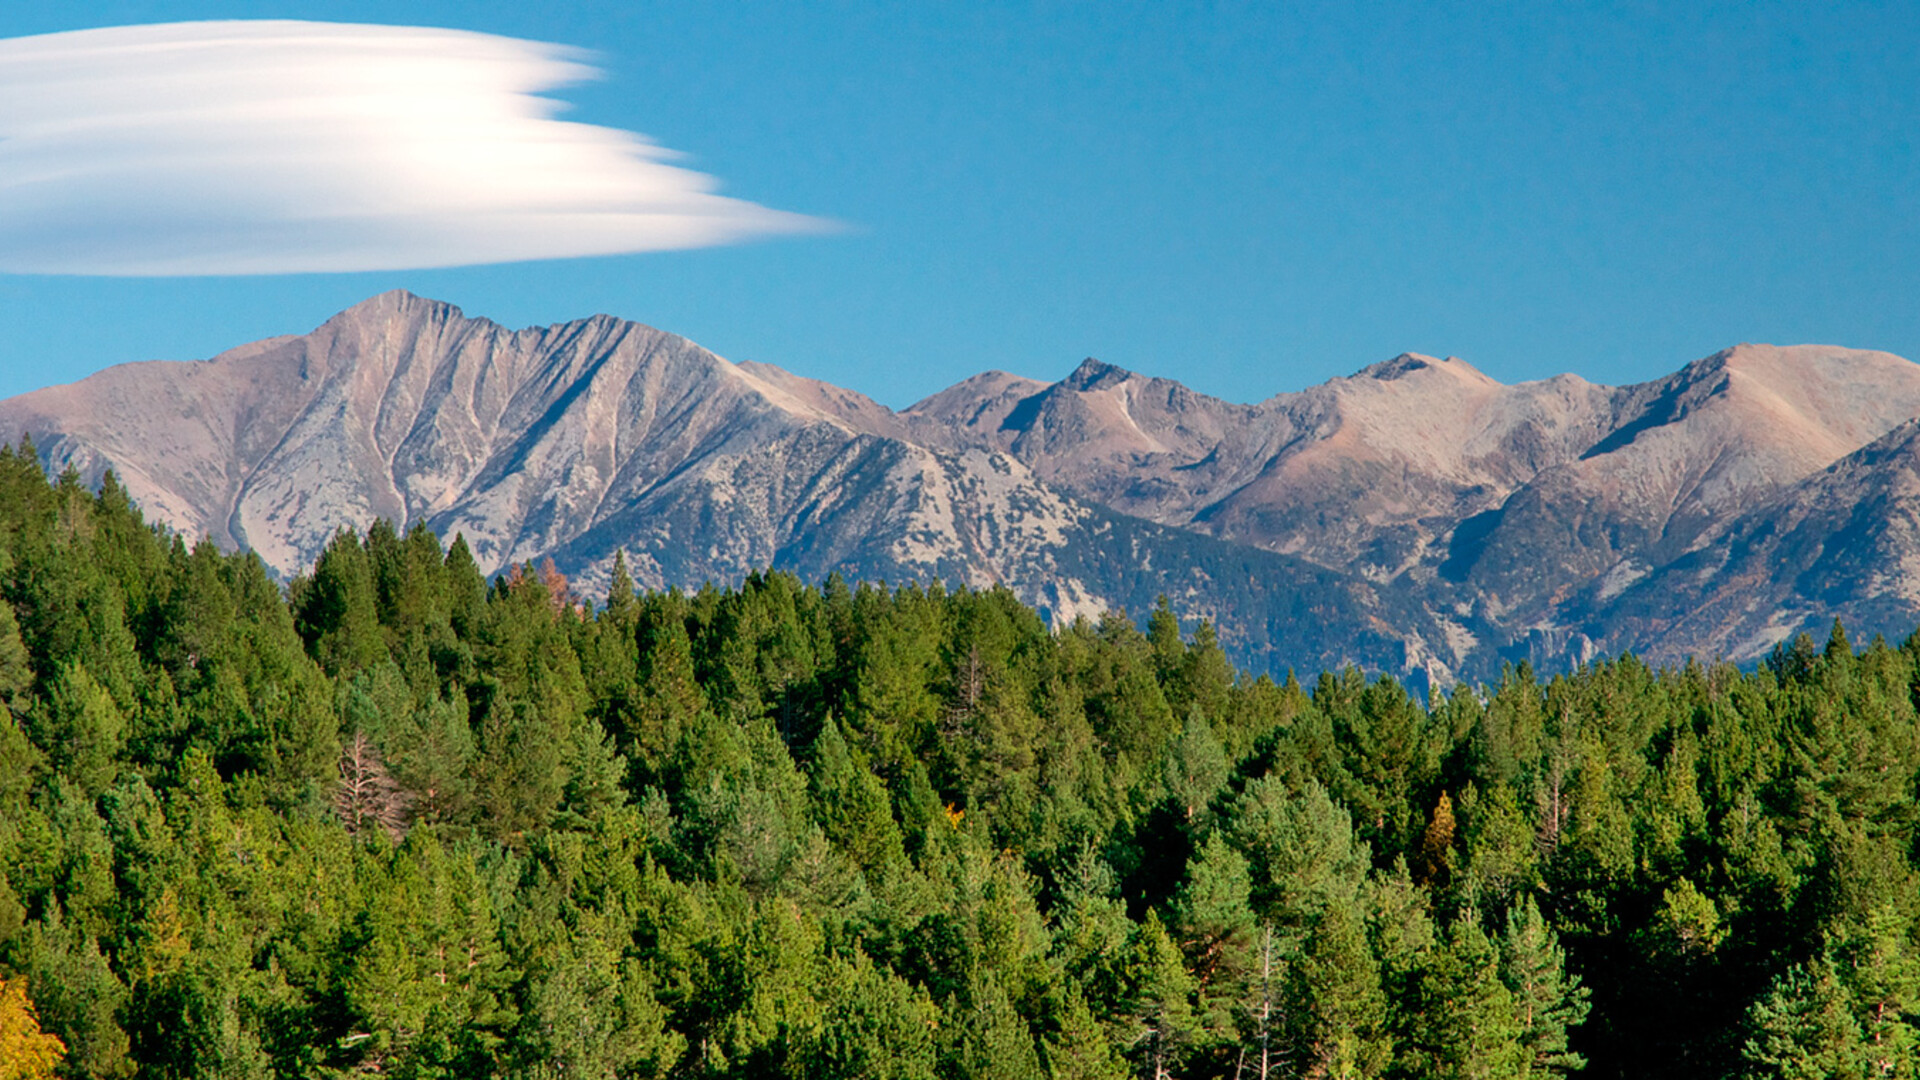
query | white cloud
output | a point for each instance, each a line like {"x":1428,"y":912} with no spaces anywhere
{"x":290,"y":147}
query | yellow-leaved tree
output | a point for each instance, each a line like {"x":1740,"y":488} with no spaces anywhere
{"x":26,"y":1052}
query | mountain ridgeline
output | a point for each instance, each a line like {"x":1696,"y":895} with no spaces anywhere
{"x":396,"y":819}
{"x":1417,"y":517}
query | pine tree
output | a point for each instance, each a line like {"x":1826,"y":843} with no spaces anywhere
{"x":1548,"y":1001}
{"x":1302,"y":848}
{"x":1882,"y":973}
{"x":1206,"y":676}
{"x":594,"y":772}
{"x":336,"y":609}
{"x":1498,"y":854}
{"x":1158,"y":1018}
{"x":78,"y":998}
{"x":1213,"y":920}
{"x":1801,"y":1028}
{"x":669,"y":694}
{"x":16,"y":671}
{"x":82,"y":729}
{"x":21,"y":766}
{"x":1077,"y":1048}
{"x":1194,"y":768}
{"x":1163,"y":637}
{"x":871,"y":1025}
{"x":593,"y":1011}
{"x":367,"y":797}
{"x":849,"y":801}
{"x":990,"y":1040}
{"x":1469,"y":1029}
{"x":1091,"y":932}
{"x":1336,"y":1008}
{"x":432,"y":754}
{"x":620,"y":600}
{"x":466,"y":589}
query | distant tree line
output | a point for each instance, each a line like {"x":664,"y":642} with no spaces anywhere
{"x":398,"y":819}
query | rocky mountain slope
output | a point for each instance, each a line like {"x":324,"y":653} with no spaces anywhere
{"x":1417,"y":517}
{"x":1517,"y":514}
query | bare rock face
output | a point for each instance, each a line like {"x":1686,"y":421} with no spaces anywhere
{"x":572,"y":439}
{"x":1842,"y":543}
{"x":1417,"y":516}
{"x":597,"y":436}
{"x":1515,"y":514}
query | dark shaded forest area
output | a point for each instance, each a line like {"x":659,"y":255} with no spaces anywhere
{"x":396,"y":819}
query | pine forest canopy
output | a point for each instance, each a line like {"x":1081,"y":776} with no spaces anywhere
{"x":399,"y":819}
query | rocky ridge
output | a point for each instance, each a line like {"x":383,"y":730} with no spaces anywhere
{"x":1417,"y":517}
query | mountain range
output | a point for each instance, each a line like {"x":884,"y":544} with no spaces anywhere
{"x":1417,"y":517}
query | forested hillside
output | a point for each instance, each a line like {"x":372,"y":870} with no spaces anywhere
{"x":397,"y":819}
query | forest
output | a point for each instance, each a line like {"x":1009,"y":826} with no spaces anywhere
{"x":394,"y":818}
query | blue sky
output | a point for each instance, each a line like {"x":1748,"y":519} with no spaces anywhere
{"x":1250,"y":198}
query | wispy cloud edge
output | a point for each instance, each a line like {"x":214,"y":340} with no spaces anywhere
{"x":274,"y":147}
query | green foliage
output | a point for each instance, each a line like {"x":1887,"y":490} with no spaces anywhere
{"x":1337,"y":1006}
{"x":1548,"y":1002}
{"x":1467,"y":1024}
{"x":400,"y":820}
{"x":1801,"y":1028}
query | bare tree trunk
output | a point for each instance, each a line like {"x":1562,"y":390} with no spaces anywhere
{"x":367,"y":795}
{"x":1266,"y":999}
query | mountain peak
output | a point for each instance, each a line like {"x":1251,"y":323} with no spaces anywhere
{"x":1804,"y":375}
{"x":1409,"y":363}
{"x":397,"y":302}
{"x":1092,"y":374}
{"x":1405,"y":364}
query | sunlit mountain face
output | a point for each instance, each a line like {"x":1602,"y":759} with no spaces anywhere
{"x":1417,"y":517}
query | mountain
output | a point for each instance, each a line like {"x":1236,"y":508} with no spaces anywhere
{"x":1416,"y":517}
{"x":1842,"y":543}
{"x":1517,"y":513}
{"x":578,"y":440}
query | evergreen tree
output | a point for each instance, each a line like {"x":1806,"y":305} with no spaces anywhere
{"x":872,"y":1025}
{"x":1157,"y":1022}
{"x":1212,"y":919}
{"x":668,"y":695}
{"x":82,"y":729}
{"x":992,"y":1041}
{"x":1336,"y":1007}
{"x":432,"y":752}
{"x":1469,"y":1027}
{"x":16,"y":670}
{"x":1881,"y":972}
{"x":336,"y":609}
{"x":849,"y":801}
{"x":1206,"y":676}
{"x":1547,"y":1000}
{"x":1077,"y":1048}
{"x":592,"y":1011}
{"x":1194,"y":768}
{"x":1498,"y":854}
{"x":1303,"y":849}
{"x":1801,"y":1029}
{"x":78,"y":997}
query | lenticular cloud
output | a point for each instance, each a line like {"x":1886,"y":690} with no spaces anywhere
{"x":291,"y":147}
